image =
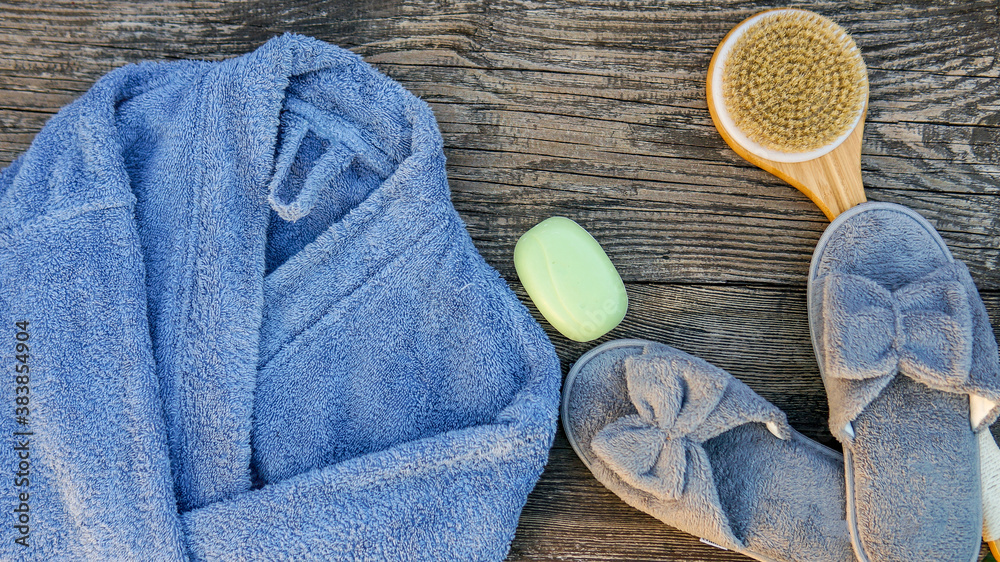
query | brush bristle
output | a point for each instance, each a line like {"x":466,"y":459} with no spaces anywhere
{"x":794,"y":81}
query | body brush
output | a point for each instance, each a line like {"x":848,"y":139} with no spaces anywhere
{"x":788,"y":91}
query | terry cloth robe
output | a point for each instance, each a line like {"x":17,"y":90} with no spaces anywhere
{"x":255,"y":328}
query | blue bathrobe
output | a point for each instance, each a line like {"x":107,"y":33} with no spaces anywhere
{"x":241,"y":320}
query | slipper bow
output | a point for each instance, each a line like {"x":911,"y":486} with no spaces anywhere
{"x":680,"y":404}
{"x":924,"y":329}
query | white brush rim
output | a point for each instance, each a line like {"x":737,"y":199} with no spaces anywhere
{"x":726,"y":120}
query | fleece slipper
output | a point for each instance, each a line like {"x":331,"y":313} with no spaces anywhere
{"x":689,"y":444}
{"x":910,"y":366}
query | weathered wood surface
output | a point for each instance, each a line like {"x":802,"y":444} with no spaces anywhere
{"x":595,"y":110}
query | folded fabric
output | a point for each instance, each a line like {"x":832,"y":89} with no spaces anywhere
{"x":685,"y":442}
{"x":255,"y":328}
{"x":911,"y":370}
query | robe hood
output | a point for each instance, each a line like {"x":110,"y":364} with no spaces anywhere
{"x":255,"y":328}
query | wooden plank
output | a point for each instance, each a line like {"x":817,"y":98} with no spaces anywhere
{"x":699,"y":237}
{"x":595,"y":113}
{"x":760,"y":334}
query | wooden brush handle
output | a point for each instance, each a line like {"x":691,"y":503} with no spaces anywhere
{"x":832,"y":181}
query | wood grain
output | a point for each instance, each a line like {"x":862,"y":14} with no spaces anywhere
{"x":595,"y":110}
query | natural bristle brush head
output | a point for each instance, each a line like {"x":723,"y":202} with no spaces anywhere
{"x":811,"y":91}
{"x":792,"y":84}
{"x":789,"y":87}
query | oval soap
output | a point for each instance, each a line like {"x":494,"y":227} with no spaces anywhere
{"x":570,"y":279}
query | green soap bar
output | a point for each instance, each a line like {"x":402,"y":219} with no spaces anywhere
{"x":570,"y":279}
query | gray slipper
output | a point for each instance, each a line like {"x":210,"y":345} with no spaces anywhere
{"x":689,"y":444}
{"x":910,"y":366}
